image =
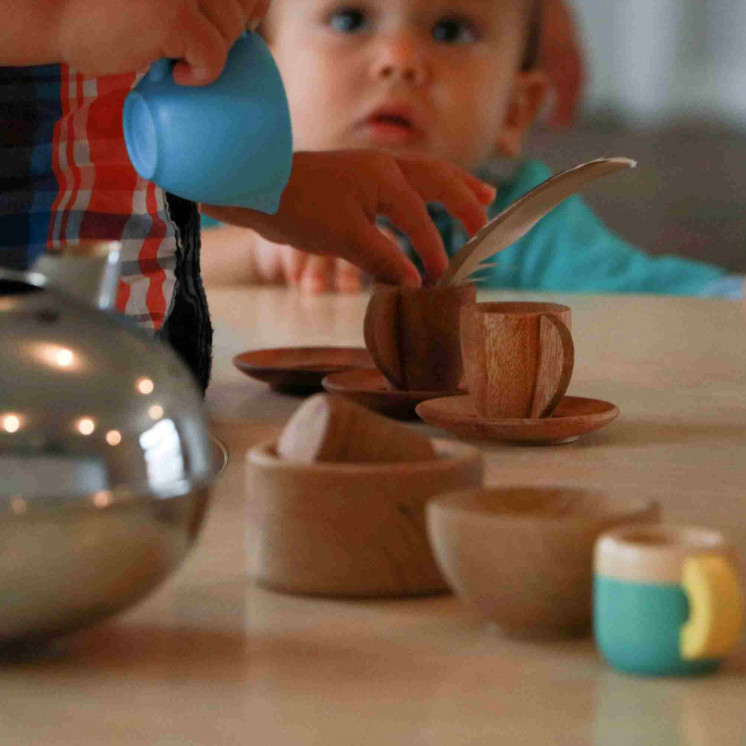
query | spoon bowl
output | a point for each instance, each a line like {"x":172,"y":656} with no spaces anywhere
{"x":518,"y":219}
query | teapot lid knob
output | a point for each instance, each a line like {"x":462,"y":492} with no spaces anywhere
{"x":88,"y":271}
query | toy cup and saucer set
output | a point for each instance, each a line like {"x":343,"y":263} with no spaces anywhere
{"x":483,"y":371}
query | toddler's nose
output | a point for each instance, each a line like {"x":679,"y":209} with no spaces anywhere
{"x":401,"y":59}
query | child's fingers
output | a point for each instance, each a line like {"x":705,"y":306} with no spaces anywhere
{"x":485,"y":193}
{"x":348,"y":279}
{"x":403,"y":203}
{"x":389,"y":234}
{"x":380,"y":258}
{"x":228,"y":16}
{"x":255,"y":10}
{"x":293,"y":264}
{"x":318,"y":274}
{"x":437,"y":182}
{"x":200,"y":48}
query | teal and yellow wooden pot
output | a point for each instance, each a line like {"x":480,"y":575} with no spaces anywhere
{"x":666,"y":600}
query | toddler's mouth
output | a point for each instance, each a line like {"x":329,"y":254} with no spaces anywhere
{"x":392,"y":125}
{"x":392,"y":120}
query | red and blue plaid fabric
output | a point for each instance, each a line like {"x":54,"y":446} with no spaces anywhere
{"x":65,"y":177}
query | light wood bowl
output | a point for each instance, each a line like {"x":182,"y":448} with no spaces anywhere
{"x":523,"y":556}
{"x":341,"y":529}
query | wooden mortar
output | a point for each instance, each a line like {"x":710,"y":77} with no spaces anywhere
{"x":340,"y":529}
{"x":332,"y":428}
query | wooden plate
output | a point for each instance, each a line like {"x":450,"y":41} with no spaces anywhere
{"x":371,"y":389}
{"x":299,"y":370}
{"x":574,"y":417}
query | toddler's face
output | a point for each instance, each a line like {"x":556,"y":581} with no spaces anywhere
{"x":430,"y":77}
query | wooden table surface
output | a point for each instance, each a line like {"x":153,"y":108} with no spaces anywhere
{"x":210,"y":659}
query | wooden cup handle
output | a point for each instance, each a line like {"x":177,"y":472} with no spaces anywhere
{"x":556,"y":362}
{"x":468,"y":340}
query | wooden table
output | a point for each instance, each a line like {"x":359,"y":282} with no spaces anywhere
{"x":209,"y":659}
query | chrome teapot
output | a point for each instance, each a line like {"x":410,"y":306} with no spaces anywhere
{"x":105,"y":456}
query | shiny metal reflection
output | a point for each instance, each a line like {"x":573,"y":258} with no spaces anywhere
{"x":99,"y":499}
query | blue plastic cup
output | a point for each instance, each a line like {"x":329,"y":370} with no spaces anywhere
{"x":226,"y":143}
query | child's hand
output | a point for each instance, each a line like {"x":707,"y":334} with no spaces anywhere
{"x":330,"y":205}
{"x":102,"y":37}
{"x":233,"y":256}
{"x":310,"y":273}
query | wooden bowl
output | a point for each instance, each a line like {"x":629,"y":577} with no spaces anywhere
{"x":341,"y":529}
{"x":299,"y":370}
{"x":523,"y":556}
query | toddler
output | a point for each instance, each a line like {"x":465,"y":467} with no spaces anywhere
{"x":455,"y":79}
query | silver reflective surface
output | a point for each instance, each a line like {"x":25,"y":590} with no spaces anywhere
{"x":63,"y":569}
{"x":91,"y":408}
{"x":105,"y":458}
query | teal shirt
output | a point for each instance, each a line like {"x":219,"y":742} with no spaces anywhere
{"x":571,"y":250}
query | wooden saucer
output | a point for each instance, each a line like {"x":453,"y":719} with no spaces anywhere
{"x":574,"y":416}
{"x":299,"y":370}
{"x":371,"y":389}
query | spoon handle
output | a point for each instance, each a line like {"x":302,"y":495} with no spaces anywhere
{"x":517,"y":219}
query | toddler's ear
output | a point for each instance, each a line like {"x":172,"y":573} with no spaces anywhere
{"x":529,"y":90}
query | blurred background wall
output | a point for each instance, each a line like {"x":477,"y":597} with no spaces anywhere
{"x":666,"y":85}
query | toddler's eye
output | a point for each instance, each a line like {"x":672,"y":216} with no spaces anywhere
{"x":348,"y":20}
{"x":454,"y":31}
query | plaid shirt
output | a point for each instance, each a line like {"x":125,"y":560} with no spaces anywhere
{"x":65,"y":177}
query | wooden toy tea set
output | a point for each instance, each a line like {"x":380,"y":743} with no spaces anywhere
{"x":518,"y":359}
{"x":427,"y":346}
{"x":347,"y":503}
{"x":515,"y":359}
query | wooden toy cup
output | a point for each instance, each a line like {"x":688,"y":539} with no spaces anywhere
{"x":413,"y":335}
{"x":518,"y":357}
